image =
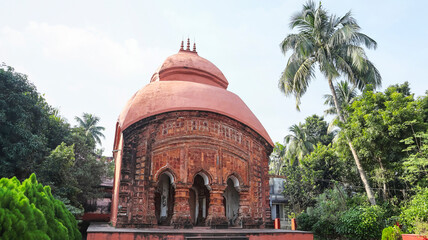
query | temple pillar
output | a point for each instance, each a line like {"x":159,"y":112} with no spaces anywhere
{"x":216,"y":213}
{"x":244,"y":213}
{"x":150,"y":216}
{"x":181,"y":217}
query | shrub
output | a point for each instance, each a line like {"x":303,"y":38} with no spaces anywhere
{"x":361,"y":223}
{"x":421,"y":228}
{"x":324,"y":216}
{"x":391,"y":233}
{"x":415,"y":211}
{"x":29,"y":211}
{"x":306,"y":221}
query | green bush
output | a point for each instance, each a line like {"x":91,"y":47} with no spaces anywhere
{"x":415,"y":211}
{"x":322,"y":218}
{"x":361,"y":223}
{"x":29,"y":211}
{"x":306,"y":221}
{"x":391,"y":233}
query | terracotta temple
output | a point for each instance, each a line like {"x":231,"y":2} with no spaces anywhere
{"x":190,"y":153}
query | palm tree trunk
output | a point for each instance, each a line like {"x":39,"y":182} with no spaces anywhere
{"x":361,"y":171}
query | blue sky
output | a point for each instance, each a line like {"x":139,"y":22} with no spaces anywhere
{"x":92,"y":56}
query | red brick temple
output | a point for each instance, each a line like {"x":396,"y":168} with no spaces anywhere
{"x":190,"y":153}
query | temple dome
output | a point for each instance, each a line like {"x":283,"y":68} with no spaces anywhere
{"x":187,"y":65}
{"x":186,"y":81}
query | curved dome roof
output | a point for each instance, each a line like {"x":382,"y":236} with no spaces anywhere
{"x":186,"y":81}
{"x":187,"y":65}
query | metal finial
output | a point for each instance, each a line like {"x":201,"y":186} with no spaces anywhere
{"x":188,"y":44}
{"x":182,"y":45}
{"x":194,"y":47}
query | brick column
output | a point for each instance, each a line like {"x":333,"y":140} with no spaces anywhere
{"x":181,"y":217}
{"x":216,"y":213}
{"x":244,"y":213}
{"x":151,"y":217}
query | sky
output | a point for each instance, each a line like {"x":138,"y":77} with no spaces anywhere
{"x":92,"y":56}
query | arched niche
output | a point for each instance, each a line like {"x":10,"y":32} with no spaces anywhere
{"x":168,"y":172}
{"x":164,"y":198}
{"x":235,"y":181}
{"x":231,"y":200}
{"x":205,"y":177}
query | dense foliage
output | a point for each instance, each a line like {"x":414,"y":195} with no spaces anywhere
{"x":416,"y":212}
{"x":380,"y":143}
{"x":29,"y":211}
{"x":390,"y":131}
{"x":334,"y":44}
{"x":30,"y":128}
{"x":34,"y":138}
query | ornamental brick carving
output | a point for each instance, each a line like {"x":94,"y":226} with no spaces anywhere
{"x":184,"y":144}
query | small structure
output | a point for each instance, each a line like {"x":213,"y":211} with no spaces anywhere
{"x":99,"y":209}
{"x":278,"y":200}
{"x":190,"y":153}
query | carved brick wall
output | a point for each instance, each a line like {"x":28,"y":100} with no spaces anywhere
{"x":185,"y":143}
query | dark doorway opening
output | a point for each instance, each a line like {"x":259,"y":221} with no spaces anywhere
{"x":199,"y":201}
{"x":231,"y":203}
{"x":164,"y":200}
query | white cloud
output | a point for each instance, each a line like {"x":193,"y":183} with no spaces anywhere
{"x":80,"y":69}
{"x":90,"y":47}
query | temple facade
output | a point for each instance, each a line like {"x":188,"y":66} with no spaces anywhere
{"x":190,"y":153}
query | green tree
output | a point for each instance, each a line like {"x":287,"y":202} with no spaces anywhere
{"x":29,"y":211}
{"x":415,"y":211}
{"x":299,"y":143}
{"x":323,"y":168}
{"x":378,"y":122}
{"x":277,"y":159}
{"x":345,"y":97}
{"x":316,"y":128}
{"x":89,"y":123}
{"x":334,"y":44}
{"x":298,"y":189}
{"x":416,"y":163}
{"x":30,"y":128}
{"x":87,"y":169}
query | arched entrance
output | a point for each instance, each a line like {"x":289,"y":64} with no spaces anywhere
{"x":164,"y":199}
{"x":231,"y":200}
{"x":199,"y":200}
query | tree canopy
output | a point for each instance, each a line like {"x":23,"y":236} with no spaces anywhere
{"x":334,"y":44}
{"x":34,"y":138}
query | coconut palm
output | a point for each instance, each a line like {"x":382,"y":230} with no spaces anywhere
{"x":89,"y":123}
{"x":345,"y":97}
{"x":334,"y":44}
{"x":277,"y":159}
{"x":299,"y":143}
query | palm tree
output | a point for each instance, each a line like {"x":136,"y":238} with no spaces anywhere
{"x":334,"y":45}
{"x":277,"y":159}
{"x":299,"y":143}
{"x":345,"y":97}
{"x":89,"y":124}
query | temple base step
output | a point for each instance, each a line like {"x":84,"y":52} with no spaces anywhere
{"x":216,"y":237}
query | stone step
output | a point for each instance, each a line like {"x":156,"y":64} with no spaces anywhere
{"x":216,"y":237}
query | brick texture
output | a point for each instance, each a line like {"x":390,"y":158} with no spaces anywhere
{"x":185,"y":143}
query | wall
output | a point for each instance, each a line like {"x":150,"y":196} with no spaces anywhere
{"x":185,"y":143}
